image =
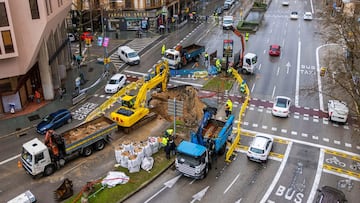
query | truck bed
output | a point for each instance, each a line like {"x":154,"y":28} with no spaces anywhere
{"x":193,"y":48}
{"x":213,"y":129}
{"x":88,"y":131}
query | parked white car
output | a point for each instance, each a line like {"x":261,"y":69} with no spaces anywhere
{"x":285,"y":3}
{"x":260,"y":148}
{"x":308,"y":16}
{"x":281,"y":106}
{"x":115,"y":83}
{"x":338,"y":111}
{"x":231,"y":2}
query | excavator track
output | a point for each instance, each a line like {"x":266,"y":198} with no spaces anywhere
{"x":151,"y":116}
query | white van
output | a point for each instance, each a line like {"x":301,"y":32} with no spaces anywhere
{"x":26,"y":197}
{"x":228,"y":22}
{"x":128,"y":55}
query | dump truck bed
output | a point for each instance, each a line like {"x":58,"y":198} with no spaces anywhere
{"x":88,"y":133}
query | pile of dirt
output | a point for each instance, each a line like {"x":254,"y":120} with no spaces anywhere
{"x":192,"y":105}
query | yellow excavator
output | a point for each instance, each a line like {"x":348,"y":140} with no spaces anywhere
{"x":133,"y":111}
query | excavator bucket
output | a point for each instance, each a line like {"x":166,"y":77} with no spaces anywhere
{"x":64,"y":191}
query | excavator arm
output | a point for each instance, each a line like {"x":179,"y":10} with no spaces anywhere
{"x":162,"y":74}
{"x":238,"y":33}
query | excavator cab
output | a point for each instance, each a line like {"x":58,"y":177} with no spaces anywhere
{"x":128,"y":101}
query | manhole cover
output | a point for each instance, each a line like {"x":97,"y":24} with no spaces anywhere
{"x":34,"y":117}
{"x":91,"y":70}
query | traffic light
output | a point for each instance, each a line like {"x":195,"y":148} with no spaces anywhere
{"x":88,"y":41}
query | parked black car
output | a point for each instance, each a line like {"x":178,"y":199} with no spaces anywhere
{"x":218,"y":11}
{"x":329,"y":194}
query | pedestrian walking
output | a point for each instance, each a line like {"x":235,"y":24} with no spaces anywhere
{"x":228,"y":108}
{"x":37,"y":96}
{"x":206,"y":57}
{"x":163,"y":48}
{"x":62,"y":91}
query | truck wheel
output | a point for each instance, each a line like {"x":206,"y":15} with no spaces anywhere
{"x":244,"y":71}
{"x":50,"y":169}
{"x":99,"y":145}
{"x":87,"y":151}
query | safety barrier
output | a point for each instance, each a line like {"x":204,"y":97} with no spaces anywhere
{"x":236,"y":141}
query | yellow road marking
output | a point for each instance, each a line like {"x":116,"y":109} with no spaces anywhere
{"x":347,"y":156}
{"x":342,"y":171}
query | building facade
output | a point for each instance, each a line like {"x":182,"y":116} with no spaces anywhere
{"x":132,"y":14}
{"x":33,"y":50}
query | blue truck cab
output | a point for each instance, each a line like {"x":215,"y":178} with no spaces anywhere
{"x":191,"y":159}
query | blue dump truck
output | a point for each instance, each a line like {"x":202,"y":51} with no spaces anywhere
{"x":180,"y":56}
{"x":194,"y":157}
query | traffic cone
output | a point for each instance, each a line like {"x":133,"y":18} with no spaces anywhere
{"x":19,"y":164}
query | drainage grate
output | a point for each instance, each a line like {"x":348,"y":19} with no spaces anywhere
{"x":34,"y":117}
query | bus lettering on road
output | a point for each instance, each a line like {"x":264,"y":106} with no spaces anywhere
{"x":307,"y":70}
{"x":83,"y":111}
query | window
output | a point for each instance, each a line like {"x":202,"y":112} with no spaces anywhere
{"x":39,"y":157}
{"x":48,"y":7}
{"x":8,"y":44}
{"x":34,"y":9}
{"x":3,"y":15}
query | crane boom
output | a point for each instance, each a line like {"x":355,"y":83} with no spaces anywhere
{"x":238,"y":33}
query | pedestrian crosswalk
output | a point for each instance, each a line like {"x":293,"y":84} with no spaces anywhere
{"x":137,"y":44}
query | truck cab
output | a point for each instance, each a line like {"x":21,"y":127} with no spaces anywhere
{"x":173,"y":57}
{"x":249,"y":63}
{"x":35,"y":157}
{"x":192,"y":160}
{"x":228,"y":22}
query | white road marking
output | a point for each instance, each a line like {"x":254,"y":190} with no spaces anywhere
{"x":278,"y":174}
{"x":317,"y":177}
{"x":228,"y":188}
{"x":297,"y":75}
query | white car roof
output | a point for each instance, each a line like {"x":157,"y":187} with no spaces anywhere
{"x":338,"y":106}
{"x":260,"y":141}
{"x":117,"y":76}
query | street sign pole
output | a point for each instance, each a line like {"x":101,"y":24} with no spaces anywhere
{"x":175,"y":108}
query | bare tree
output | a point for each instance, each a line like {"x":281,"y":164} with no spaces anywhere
{"x":341,"y":79}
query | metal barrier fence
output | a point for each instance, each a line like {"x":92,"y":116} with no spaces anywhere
{"x":236,"y":141}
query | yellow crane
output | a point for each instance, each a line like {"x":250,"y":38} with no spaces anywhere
{"x":133,"y":111}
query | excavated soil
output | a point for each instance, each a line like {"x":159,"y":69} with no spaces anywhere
{"x":192,"y":105}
